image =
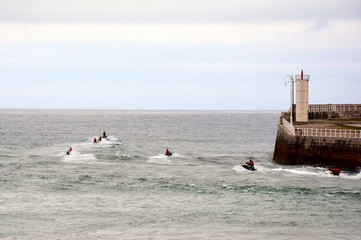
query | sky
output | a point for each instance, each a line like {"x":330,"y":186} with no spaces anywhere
{"x":177,"y":54}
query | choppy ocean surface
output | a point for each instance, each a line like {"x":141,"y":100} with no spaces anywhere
{"x":126,"y":188}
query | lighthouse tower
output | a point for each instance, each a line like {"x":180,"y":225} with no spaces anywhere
{"x":302,"y":97}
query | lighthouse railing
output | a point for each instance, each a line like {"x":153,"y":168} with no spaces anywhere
{"x":302,"y":77}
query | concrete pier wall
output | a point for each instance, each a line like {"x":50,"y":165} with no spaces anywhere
{"x":310,"y":150}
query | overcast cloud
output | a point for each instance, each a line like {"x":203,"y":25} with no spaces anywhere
{"x":172,"y":54}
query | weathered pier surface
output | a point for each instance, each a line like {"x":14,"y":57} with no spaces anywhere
{"x":331,"y":137}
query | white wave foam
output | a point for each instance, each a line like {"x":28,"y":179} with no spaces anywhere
{"x":112,"y":140}
{"x":177,"y":155}
{"x":239,"y":168}
{"x":298,"y":171}
{"x":76,"y":157}
{"x":351,"y":176}
{"x":316,"y":171}
{"x":160,"y":159}
{"x":105,"y":142}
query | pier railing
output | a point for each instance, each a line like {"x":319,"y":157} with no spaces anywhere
{"x":319,"y":132}
{"x":314,"y":108}
{"x":323,"y":132}
{"x":288,"y":127}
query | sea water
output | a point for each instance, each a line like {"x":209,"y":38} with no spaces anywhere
{"x":124,"y":187}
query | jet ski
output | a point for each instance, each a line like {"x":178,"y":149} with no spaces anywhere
{"x":335,"y":171}
{"x":105,"y":135}
{"x":248,"y":167}
{"x":69,"y":151}
{"x":168,"y":153}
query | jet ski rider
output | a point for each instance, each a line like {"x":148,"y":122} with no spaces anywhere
{"x":250,"y":163}
{"x":168,"y":153}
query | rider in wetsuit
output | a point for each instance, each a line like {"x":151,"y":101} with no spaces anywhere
{"x":69,"y":151}
{"x":168,"y":153}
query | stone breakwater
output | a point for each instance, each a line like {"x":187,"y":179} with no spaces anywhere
{"x":296,"y":149}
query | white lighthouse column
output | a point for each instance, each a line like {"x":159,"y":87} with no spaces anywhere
{"x":302,"y":97}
